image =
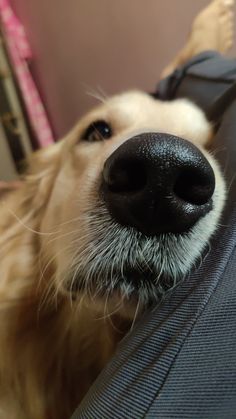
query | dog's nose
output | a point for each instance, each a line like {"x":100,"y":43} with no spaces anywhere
{"x":158,"y":183}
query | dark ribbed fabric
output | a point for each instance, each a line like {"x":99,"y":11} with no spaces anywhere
{"x":180,"y":360}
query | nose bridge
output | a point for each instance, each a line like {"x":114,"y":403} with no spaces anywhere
{"x":110,"y":147}
{"x":133,"y":133}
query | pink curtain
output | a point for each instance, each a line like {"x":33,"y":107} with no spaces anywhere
{"x":20,"y":55}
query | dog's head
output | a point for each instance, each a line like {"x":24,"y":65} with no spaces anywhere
{"x":135,"y":197}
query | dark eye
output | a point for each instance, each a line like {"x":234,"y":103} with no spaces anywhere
{"x":97,"y":131}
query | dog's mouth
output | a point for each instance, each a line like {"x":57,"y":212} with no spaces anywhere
{"x":129,"y":283}
{"x":122,"y":261}
{"x":134,"y":286}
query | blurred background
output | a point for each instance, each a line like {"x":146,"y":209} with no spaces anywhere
{"x":83,"y":45}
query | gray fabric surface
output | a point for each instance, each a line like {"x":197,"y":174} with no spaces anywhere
{"x":180,"y":360}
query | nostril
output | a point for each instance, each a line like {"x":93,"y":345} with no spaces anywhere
{"x":125,"y":176}
{"x":195,"y":186}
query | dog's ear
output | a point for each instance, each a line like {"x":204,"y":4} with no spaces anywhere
{"x":42,"y":167}
{"x":44,"y":159}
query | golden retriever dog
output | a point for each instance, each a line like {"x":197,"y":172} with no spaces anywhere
{"x":106,"y":222}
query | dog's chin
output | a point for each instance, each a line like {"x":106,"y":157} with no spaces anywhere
{"x":140,"y":287}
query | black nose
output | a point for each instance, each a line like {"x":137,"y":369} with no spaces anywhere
{"x":158,"y":183}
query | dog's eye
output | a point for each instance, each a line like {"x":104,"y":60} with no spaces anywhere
{"x":97,"y":131}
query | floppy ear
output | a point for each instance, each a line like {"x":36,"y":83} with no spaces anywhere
{"x":44,"y":159}
{"x":43,"y":166}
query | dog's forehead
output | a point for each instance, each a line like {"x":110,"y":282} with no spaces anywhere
{"x":134,"y":108}
{"x":136,"y":103}
{"x":135,"y":111}
{"x":140,"y":111}
{"x":134,"y":100}
{"x":124,"y":107}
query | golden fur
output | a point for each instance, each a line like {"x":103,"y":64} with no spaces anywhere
{"x":52,"y":346}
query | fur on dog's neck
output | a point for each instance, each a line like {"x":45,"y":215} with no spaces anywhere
{"x":49,"y":353}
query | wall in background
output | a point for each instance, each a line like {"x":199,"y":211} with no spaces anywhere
{"x":82,"y":44}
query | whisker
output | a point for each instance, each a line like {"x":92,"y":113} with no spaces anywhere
{"x":27,"y":227}
{"x":231,"y":183}
{"x":96,"y":94}
{"x":135,"y":315}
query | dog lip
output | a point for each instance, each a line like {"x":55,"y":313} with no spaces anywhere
{"x":136,"y":277}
